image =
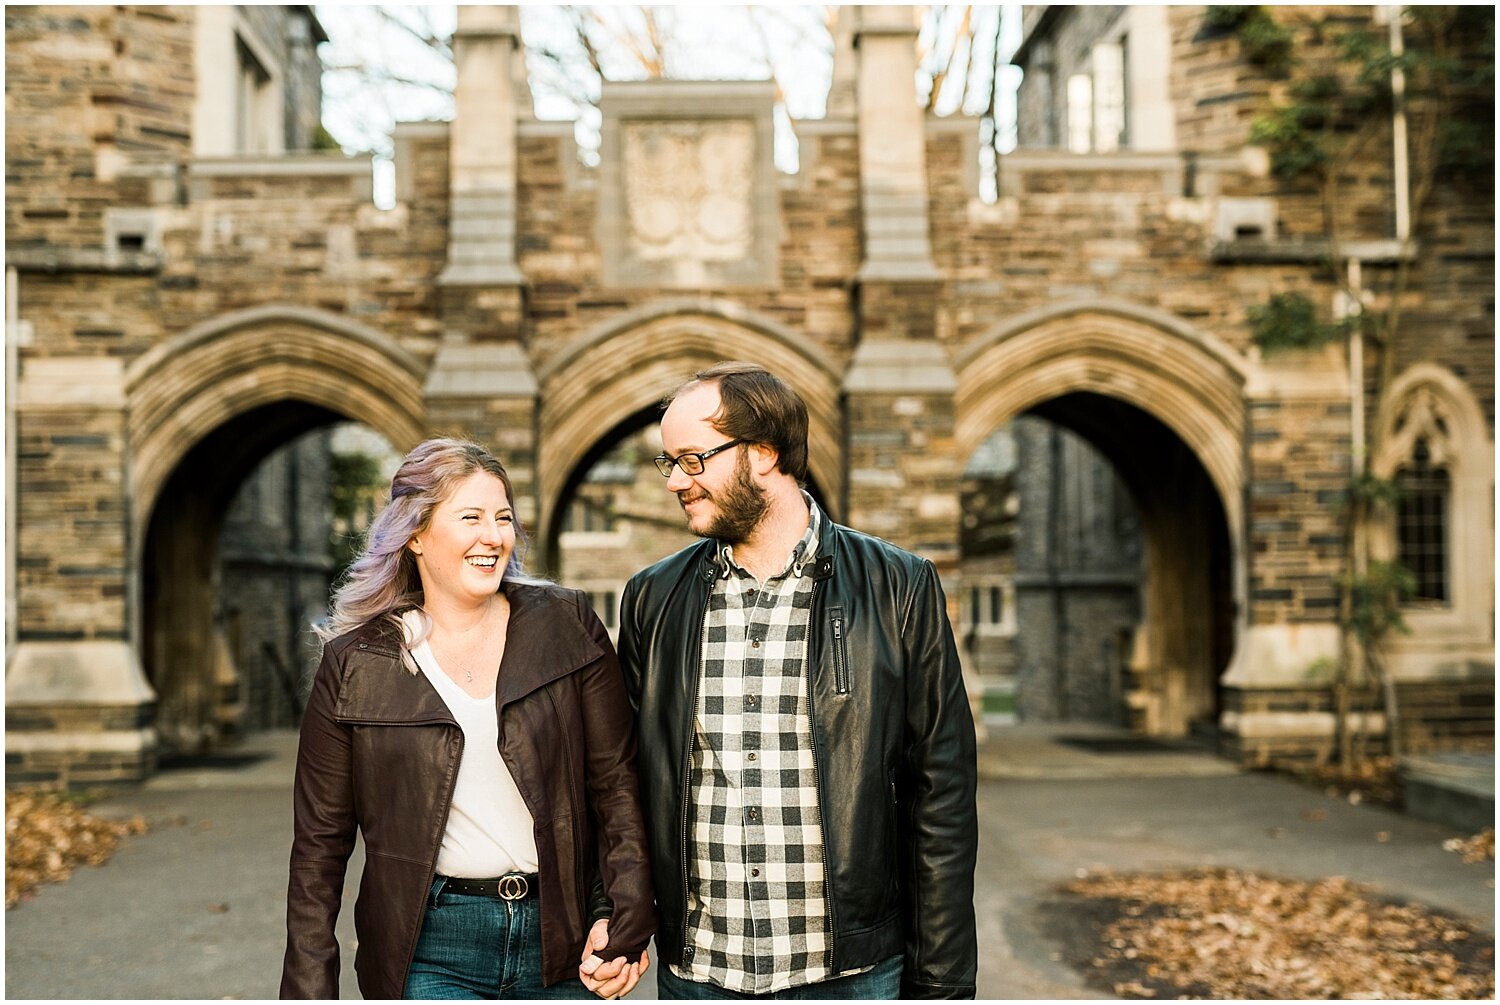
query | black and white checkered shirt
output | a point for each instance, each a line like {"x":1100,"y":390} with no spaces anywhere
{"x":757,"y":911}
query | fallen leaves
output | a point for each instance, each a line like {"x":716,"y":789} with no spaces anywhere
{"x":1373,"y":778}
{"x":1479,"y":848}
{"x":1229,"y":934}
{"x":46,"y":836}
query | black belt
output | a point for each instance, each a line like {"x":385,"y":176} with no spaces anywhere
{"x":511,"y":886}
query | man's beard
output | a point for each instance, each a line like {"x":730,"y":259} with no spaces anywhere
{"x":741,"y":505}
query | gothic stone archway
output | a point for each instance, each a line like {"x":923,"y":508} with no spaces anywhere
{"x":1105,"y":370}
{"x":629,"y":364}
{"x":205,"y":409}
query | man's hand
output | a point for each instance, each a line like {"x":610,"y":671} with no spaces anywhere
{"x":612,"y":979}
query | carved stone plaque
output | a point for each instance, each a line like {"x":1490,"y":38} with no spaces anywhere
{"x":687,"y":186}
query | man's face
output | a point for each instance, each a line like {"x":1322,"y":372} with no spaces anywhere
{"x":724,"y":501}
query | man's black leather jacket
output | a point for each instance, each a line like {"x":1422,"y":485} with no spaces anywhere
{"x":893,"y":738}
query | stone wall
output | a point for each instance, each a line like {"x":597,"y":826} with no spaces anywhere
{"x":1132,"y":240}
{"x":89,"y":90}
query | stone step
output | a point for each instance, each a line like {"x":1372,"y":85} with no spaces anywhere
{"x":1456,"y":789}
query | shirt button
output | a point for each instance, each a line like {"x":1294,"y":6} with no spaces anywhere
{"x":754,"y":813}
{"x":755,"y":872}
{"x":752,"y":755}
{"x":750,"y":700}
{"x":755,"y":643}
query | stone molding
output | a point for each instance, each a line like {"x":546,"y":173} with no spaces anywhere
{"x":1287,"y":375}
{"x":1220,"y":351}
{"x":54,"y":260}
{"x":1171,"y":166}
{"x":890,"y":366}
{"x":481,"y":370}
{"x":1279,"y":656}
{"x":1191,"y":391}
{"x":300,"y":165}
{"x":710,"y":307}
{"x":252,"y":317}
{"x":71,"y":382}
{"x":1293,"y":251}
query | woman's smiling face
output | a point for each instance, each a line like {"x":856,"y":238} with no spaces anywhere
{"x":462,"y":552}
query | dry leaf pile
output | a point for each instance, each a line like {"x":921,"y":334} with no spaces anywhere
{"x":1228,"y":934}
{"x":46,"y":836}
{"x":1479,"y":848}
{"x":1372,"y":779}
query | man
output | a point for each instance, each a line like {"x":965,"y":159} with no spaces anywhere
{"x":806,"y":749}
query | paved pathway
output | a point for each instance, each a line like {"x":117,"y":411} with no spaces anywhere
{"x":194,"y":909}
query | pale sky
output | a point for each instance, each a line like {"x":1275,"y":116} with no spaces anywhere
{"x":707,"y":42}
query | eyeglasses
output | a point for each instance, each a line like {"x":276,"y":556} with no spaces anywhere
{"x":691,"y":464}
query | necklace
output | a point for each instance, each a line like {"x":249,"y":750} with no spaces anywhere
{"x":465,"y":655}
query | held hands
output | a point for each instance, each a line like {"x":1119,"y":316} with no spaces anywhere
{"x":614,"y":979}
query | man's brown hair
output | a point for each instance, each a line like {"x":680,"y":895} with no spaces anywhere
{"x":758,"y":407}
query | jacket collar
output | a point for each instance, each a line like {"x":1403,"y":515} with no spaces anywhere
{"x":545,"y":641}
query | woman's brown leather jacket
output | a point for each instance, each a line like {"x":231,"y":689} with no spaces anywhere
{"x":380,"y":751}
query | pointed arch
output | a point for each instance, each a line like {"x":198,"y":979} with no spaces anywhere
{"x":185,"y":388}
{"x":1190,"y":380}
{"x":1052,"y":361}
{"x":1431,"y":404}
{"x":629,"y":363}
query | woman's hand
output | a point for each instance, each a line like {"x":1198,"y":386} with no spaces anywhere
{"x":612,"y":979}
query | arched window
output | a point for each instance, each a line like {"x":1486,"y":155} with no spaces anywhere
{"x":1422,"y":532}
{"x":1434,"y":441}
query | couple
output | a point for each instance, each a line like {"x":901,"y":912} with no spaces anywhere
{"x":806,"y":791}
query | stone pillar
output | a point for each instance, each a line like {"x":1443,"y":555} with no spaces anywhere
{"x":904,"y":470}
{"x":486,"y":391}
{"x":481,"y":384}
{"x":482,"y":149}
{"x":892,"y":148}
{"x":1277,"y":698}
{"x":842,"y":103}
{"x":903,"y":465}
{"x":78,"y":709}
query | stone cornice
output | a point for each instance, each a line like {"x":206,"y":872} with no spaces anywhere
{"x":54,"y":260}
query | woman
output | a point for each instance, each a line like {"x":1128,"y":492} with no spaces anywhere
{"x":472,"y":724}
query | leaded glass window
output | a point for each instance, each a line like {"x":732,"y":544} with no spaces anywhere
{"x":1422,"y":524}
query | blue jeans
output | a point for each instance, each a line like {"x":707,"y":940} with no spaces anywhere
{"x":881,"y":983}
{"x":481,"y":947}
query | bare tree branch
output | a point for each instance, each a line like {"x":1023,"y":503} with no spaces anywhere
{"x":425,"y":34}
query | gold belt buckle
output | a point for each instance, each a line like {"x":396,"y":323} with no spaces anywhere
{"x":513,"y":887}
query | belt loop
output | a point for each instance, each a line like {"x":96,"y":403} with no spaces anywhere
{"x":437,"y":890}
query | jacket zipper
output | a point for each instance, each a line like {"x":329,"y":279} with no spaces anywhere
{"x":687,"y":772}
{"x":812,"y":736}
{"x":840,"y":656}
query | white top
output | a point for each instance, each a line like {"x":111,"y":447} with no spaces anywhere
{"x":490,"y":830}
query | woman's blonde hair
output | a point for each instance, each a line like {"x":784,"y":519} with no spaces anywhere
{"x":383,"y":582}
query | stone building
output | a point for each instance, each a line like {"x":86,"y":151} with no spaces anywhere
{"x":186,"y":298}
